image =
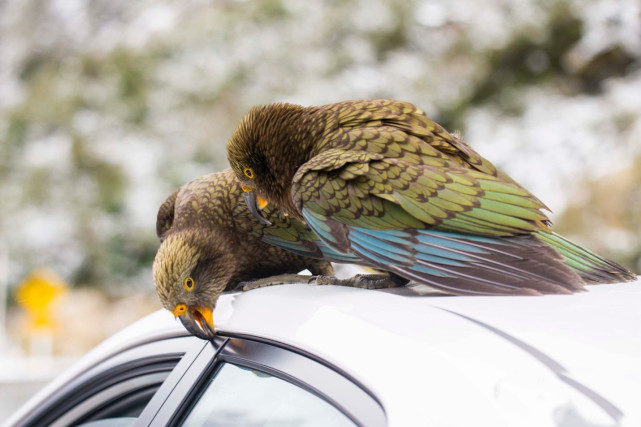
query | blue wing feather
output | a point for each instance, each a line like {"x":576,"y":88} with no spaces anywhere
{"x":310,"y":249}
{"x":455,"y":262}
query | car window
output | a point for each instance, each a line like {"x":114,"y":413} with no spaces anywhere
{"x":239,"y":396}
{"x":117,"y":388}
{"x":123,"y":397}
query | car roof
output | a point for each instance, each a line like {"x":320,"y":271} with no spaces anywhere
{"x":153,"y":327}
{"x":557,"y":357}
{"x":449,"y":360}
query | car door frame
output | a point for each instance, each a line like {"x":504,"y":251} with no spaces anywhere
{"x":117,"y":374}
{"x":173,"y":401}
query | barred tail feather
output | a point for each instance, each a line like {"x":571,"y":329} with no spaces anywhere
{"x":591,"y":267}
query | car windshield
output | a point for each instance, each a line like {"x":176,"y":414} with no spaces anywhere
{"x":238,"y":396}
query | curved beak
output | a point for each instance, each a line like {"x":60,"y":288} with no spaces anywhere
{"x":255,"y":204}
{"x":199,"y":321}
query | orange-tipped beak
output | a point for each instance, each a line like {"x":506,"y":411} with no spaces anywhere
{"x":199,"y":321}
{"x":255,"y":204}
{"x":261,"y":202}
{"x":205,"y":317}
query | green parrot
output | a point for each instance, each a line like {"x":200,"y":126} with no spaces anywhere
{"x":379,"y":180}
{"x":211,"y":243}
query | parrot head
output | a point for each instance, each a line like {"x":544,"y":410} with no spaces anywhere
{"x":190,"y":272}
{"x":269,"y":145}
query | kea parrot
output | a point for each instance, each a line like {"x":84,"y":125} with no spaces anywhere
{"x":211,"y":243}
{"x":379,"y":180}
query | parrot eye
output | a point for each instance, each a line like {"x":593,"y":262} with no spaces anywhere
{"x":249,"y":173}
{"x":189,"y":284}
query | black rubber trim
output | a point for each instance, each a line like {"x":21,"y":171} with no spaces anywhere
{"x":182,"y":386}
{"x":129,"y":405}
{"x":135,"y":344}
{"x":285,"y":362}
{"x":307,"y":354}
{"x":198,"y":386}
{"x":73,"y":393}
{"x":155,"y":356}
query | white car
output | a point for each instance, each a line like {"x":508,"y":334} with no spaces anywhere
{"x":322,"y":355}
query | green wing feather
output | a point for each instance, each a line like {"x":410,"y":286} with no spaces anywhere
{"x":288,"y":233}
{"x":383,"y":165}
{"x":367,"y":169}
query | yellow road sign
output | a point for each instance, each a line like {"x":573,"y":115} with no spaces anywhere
{"x":37,"y":293}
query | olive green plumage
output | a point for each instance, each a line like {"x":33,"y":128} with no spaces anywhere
{"x":381,"y":181}
{"x":207,"y":233}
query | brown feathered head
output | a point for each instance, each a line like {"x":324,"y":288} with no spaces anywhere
{"x":270,"y":143}
{"x":190,"y":271}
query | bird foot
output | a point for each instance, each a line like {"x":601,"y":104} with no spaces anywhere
{"x":281,"y":279}
{"x":364,"y":281}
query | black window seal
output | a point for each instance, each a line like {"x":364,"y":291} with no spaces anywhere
{"x":361,"y":405}
{"x":104,"y":374}
{"x":163,"y":336}
{"x":87,"y":409}
{"x":182,"y":385}
{"x":307,"y":354}
{"x":123,"y":403}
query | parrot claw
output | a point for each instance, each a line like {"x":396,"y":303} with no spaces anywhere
{"x":363,"y":281}
{"x":282,"y":279}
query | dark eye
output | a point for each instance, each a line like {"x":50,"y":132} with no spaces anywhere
{"x":249,"y":173}
{"x":189,"y":284}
